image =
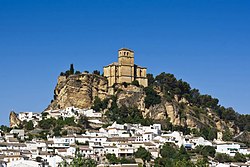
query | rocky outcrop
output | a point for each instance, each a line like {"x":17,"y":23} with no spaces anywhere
{"x":243,"y":137}
{"x":78,"y":90}
{"x":14,"y":121}
{"x":130,"y":96}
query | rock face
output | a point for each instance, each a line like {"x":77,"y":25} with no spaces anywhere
{"x":243,"y":137}
{"x":14,"y":121}
{"x":78,"y":90}
{"x":133,"y":96}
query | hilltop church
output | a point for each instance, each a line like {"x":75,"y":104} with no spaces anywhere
{"x":125,"y":70}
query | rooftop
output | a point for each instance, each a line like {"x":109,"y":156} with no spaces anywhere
{"x":126,"y":49}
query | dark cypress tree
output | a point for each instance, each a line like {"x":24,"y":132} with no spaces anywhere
{"x":71,"y":70}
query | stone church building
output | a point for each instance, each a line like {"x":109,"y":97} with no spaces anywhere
{"x":125,"y":70}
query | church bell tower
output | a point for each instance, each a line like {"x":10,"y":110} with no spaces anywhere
{"x":126,"y":57}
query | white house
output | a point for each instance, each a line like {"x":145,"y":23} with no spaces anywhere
{"x":228,"y":148}
{"x":18,"y":132}
{"x":62,"y":142}
{"x":192,"y":142}
{"x":125,"y":149}
{"x":111,"y":150}
{"x":29,"y":116}
{"x":174,"y":137}
{"x":66,"y":152}
{"x":91,"y":113}
{"x":86,"y":151}
{"x":155,"y":129}
{"x":147,"y":136}
{"x":54,"y":160}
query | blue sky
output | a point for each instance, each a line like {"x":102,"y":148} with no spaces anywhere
{"x":205,"y":43}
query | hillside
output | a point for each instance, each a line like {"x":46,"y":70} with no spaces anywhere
{"x":166,"y":100}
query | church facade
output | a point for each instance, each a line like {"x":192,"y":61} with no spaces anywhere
{"x":125,"y":70}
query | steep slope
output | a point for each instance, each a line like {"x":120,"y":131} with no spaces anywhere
{"x":177,"y":103}
{"x":78,"y":90}
{"x":178,"y":112}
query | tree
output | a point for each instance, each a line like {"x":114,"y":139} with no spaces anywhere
{"x":30,"y":137}
{"x":112,"y":158}
{"x":77,"y":72}
{"x":229,"y":114}
{"x":86,"y":71}
{"x":239,"y":157}
{"x":163,"y":162}
{"x":124,"y":160}
{"x":202,"y":163}
{"x":207,"y":151}
{"x":168,"y":151}
{"x":125,"y":84}
{"x":227,"y":136}
{"x":5,"y":129}
{"x":135,"y":82}
{"x":44,"y":115}
{"x":184,"y":163}
{"x":208,"y":133}
{"x":96,"y":72}
{"x":80,"y":162}
{"x":221,"y":157}
{"x":29,"y":125}
{"x":70,"y":121}
{"x":42,"y":135}
{"x":152,"y":98}
{"x":151,"y":79}
{"x":182,"y":154}
{"x":97,"y":104}
{"x":57,"y":131}
{"x":64,"y":163}
{"x":71,"y":70}
{"x":143,"y":154}
{"x":47,"y":123}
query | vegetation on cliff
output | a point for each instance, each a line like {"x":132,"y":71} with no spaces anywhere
{"x":170,"y":87}
{"x":188,"y":103}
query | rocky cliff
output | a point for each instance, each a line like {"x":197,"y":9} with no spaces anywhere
{"x":78,"y":90}
{"x":178,"y":112}
{"x":14,"y":121}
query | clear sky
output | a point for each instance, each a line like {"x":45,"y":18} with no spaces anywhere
{"x":204,"y":42}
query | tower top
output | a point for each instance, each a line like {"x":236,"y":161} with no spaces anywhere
{"x":126,"y":49}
